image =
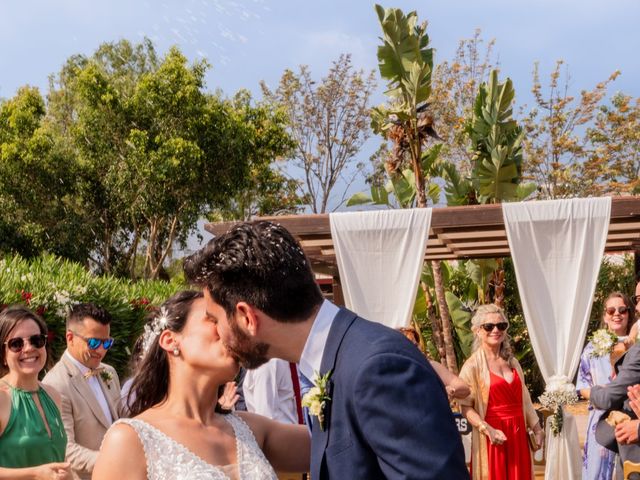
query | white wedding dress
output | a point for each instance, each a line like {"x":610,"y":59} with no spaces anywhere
{"x":170,"y":460}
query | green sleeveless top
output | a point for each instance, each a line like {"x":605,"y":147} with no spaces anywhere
{"x":25,"y":441}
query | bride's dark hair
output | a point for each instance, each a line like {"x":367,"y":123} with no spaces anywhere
{"x":151,"y":378}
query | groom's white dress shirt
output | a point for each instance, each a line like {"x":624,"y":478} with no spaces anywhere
{"x":311,"y":357}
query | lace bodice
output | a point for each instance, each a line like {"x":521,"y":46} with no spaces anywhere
{"x":170,"y":460}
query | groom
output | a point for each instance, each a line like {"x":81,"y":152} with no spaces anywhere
{"x":385,"y":412}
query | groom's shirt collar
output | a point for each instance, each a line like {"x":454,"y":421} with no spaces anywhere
{"x":311,"y":357}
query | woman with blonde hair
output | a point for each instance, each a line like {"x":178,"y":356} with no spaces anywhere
{"x":499,"y":407}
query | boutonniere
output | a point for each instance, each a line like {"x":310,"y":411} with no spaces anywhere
{"x":106,"y":378}
{"x":316,"y":399}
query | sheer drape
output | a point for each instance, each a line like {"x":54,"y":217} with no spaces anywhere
{"x":557,"y":248}
{"x":380,"y":256}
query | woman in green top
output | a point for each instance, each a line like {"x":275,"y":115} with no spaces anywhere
{"x":32,"y":436}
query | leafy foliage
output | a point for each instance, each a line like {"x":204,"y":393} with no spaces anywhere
{"x":557,"y":143}
{"x":496,"y":140}
{"x":50,"y":285}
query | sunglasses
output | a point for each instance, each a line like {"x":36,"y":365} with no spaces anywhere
{"x":612,"y":310}
{"x":94,"y":343}
{"x":17,"y":344}
{"x":488,"y":327}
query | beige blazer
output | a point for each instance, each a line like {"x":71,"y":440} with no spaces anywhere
{"x":83,"y":419}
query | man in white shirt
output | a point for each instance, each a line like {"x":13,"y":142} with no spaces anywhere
{"x":268,"y":391}
{"x":90,"y":389}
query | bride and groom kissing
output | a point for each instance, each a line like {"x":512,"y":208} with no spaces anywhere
{"x":379,"y":410}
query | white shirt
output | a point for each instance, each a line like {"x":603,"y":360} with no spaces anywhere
{"x":95,"y":387}
{"x":268,"y":391}
{"x":311,"y":357}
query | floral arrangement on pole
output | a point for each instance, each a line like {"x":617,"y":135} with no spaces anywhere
{"x":603,"y":341}
{"x":559,"y":392}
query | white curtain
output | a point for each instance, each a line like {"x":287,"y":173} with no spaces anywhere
{"x":557,"y":246}
{"x":380,"y":255}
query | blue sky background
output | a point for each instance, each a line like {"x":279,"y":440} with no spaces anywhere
{"x":252,"y":40}
{"x":247,"y":41}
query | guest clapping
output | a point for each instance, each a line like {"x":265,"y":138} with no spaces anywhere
{"x":596,"y":369}
{"x":32,"y":436}
{"x":499,"y":406}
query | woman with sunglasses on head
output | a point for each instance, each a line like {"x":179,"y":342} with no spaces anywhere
{"x":32,"y":436}
{"x":499,"y":407}
{"x":598,"y":462}
{"x":178,"y":431}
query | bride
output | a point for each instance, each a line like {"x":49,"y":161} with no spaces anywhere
{"x":177,"y":430}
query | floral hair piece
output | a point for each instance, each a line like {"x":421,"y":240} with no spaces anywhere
{"x":154,"y":328}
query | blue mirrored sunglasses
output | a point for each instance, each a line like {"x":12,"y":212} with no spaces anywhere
{"x":94,"y":343}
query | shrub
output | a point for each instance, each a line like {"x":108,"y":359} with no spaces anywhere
{"x":50,"y":285}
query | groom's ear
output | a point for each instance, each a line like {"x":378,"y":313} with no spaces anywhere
{"x":247,"y":317}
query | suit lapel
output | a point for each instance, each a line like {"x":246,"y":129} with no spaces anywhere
{"x":81,"y":385}
{"x":112,"y":401}
{"x":344,"y":319}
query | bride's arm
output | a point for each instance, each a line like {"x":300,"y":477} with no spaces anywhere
{"x":287,"y":447}
{"x":121,"y":456}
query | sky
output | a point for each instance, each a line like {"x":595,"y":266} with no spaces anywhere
{"x":253,"y":40}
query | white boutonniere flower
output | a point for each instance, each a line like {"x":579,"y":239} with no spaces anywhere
{"x":316,"y":399}
{"x":106,"y":378}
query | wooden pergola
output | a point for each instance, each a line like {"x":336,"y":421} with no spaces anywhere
{"x":456,"y":233}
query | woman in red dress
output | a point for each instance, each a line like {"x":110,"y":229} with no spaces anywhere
{"x":499,"y":406}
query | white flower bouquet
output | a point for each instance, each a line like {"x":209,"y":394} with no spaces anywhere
{"x":603,"y":341}
{"x":559,"y":392}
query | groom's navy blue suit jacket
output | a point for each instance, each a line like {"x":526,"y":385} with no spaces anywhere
{"x":389,"y":416}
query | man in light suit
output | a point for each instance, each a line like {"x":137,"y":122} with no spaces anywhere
{"x":90,"y":389}
{"x":385,"y":411}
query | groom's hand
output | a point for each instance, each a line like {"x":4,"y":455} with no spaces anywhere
{"x":627,"y":432}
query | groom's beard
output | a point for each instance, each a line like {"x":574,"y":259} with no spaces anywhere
{"x":250,"y":355}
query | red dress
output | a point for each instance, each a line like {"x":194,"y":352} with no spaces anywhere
{"x":511,"y":460}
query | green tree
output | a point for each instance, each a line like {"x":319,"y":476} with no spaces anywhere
{"x":406,"y":63}
{"x":269,"y":191}
{"x":38,"y":208}
{"x":153,"y":147}
{"x":455,"y":86}
{"x":329,"y":123}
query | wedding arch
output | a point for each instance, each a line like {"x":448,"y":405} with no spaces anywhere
{"x":556,"y":248}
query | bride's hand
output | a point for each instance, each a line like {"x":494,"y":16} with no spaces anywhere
{"x":229,"y":396}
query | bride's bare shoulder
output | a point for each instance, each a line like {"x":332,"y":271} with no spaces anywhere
{"x":121,"y":455}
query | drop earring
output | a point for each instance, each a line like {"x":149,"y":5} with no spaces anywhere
{"x":176,"y":351}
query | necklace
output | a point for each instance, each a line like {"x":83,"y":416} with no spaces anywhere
{"x":20,"y":389}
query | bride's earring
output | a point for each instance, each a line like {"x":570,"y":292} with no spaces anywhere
{"x":176,"y":351}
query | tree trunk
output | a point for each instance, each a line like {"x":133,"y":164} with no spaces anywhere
{"x":436,"y":325}
{"x":499,"y":284}
{"x":447,"y":330}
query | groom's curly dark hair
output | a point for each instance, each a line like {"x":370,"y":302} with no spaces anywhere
{"x":260,"y":263}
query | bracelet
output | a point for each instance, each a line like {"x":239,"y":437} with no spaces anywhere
{"x":482,"y":427}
